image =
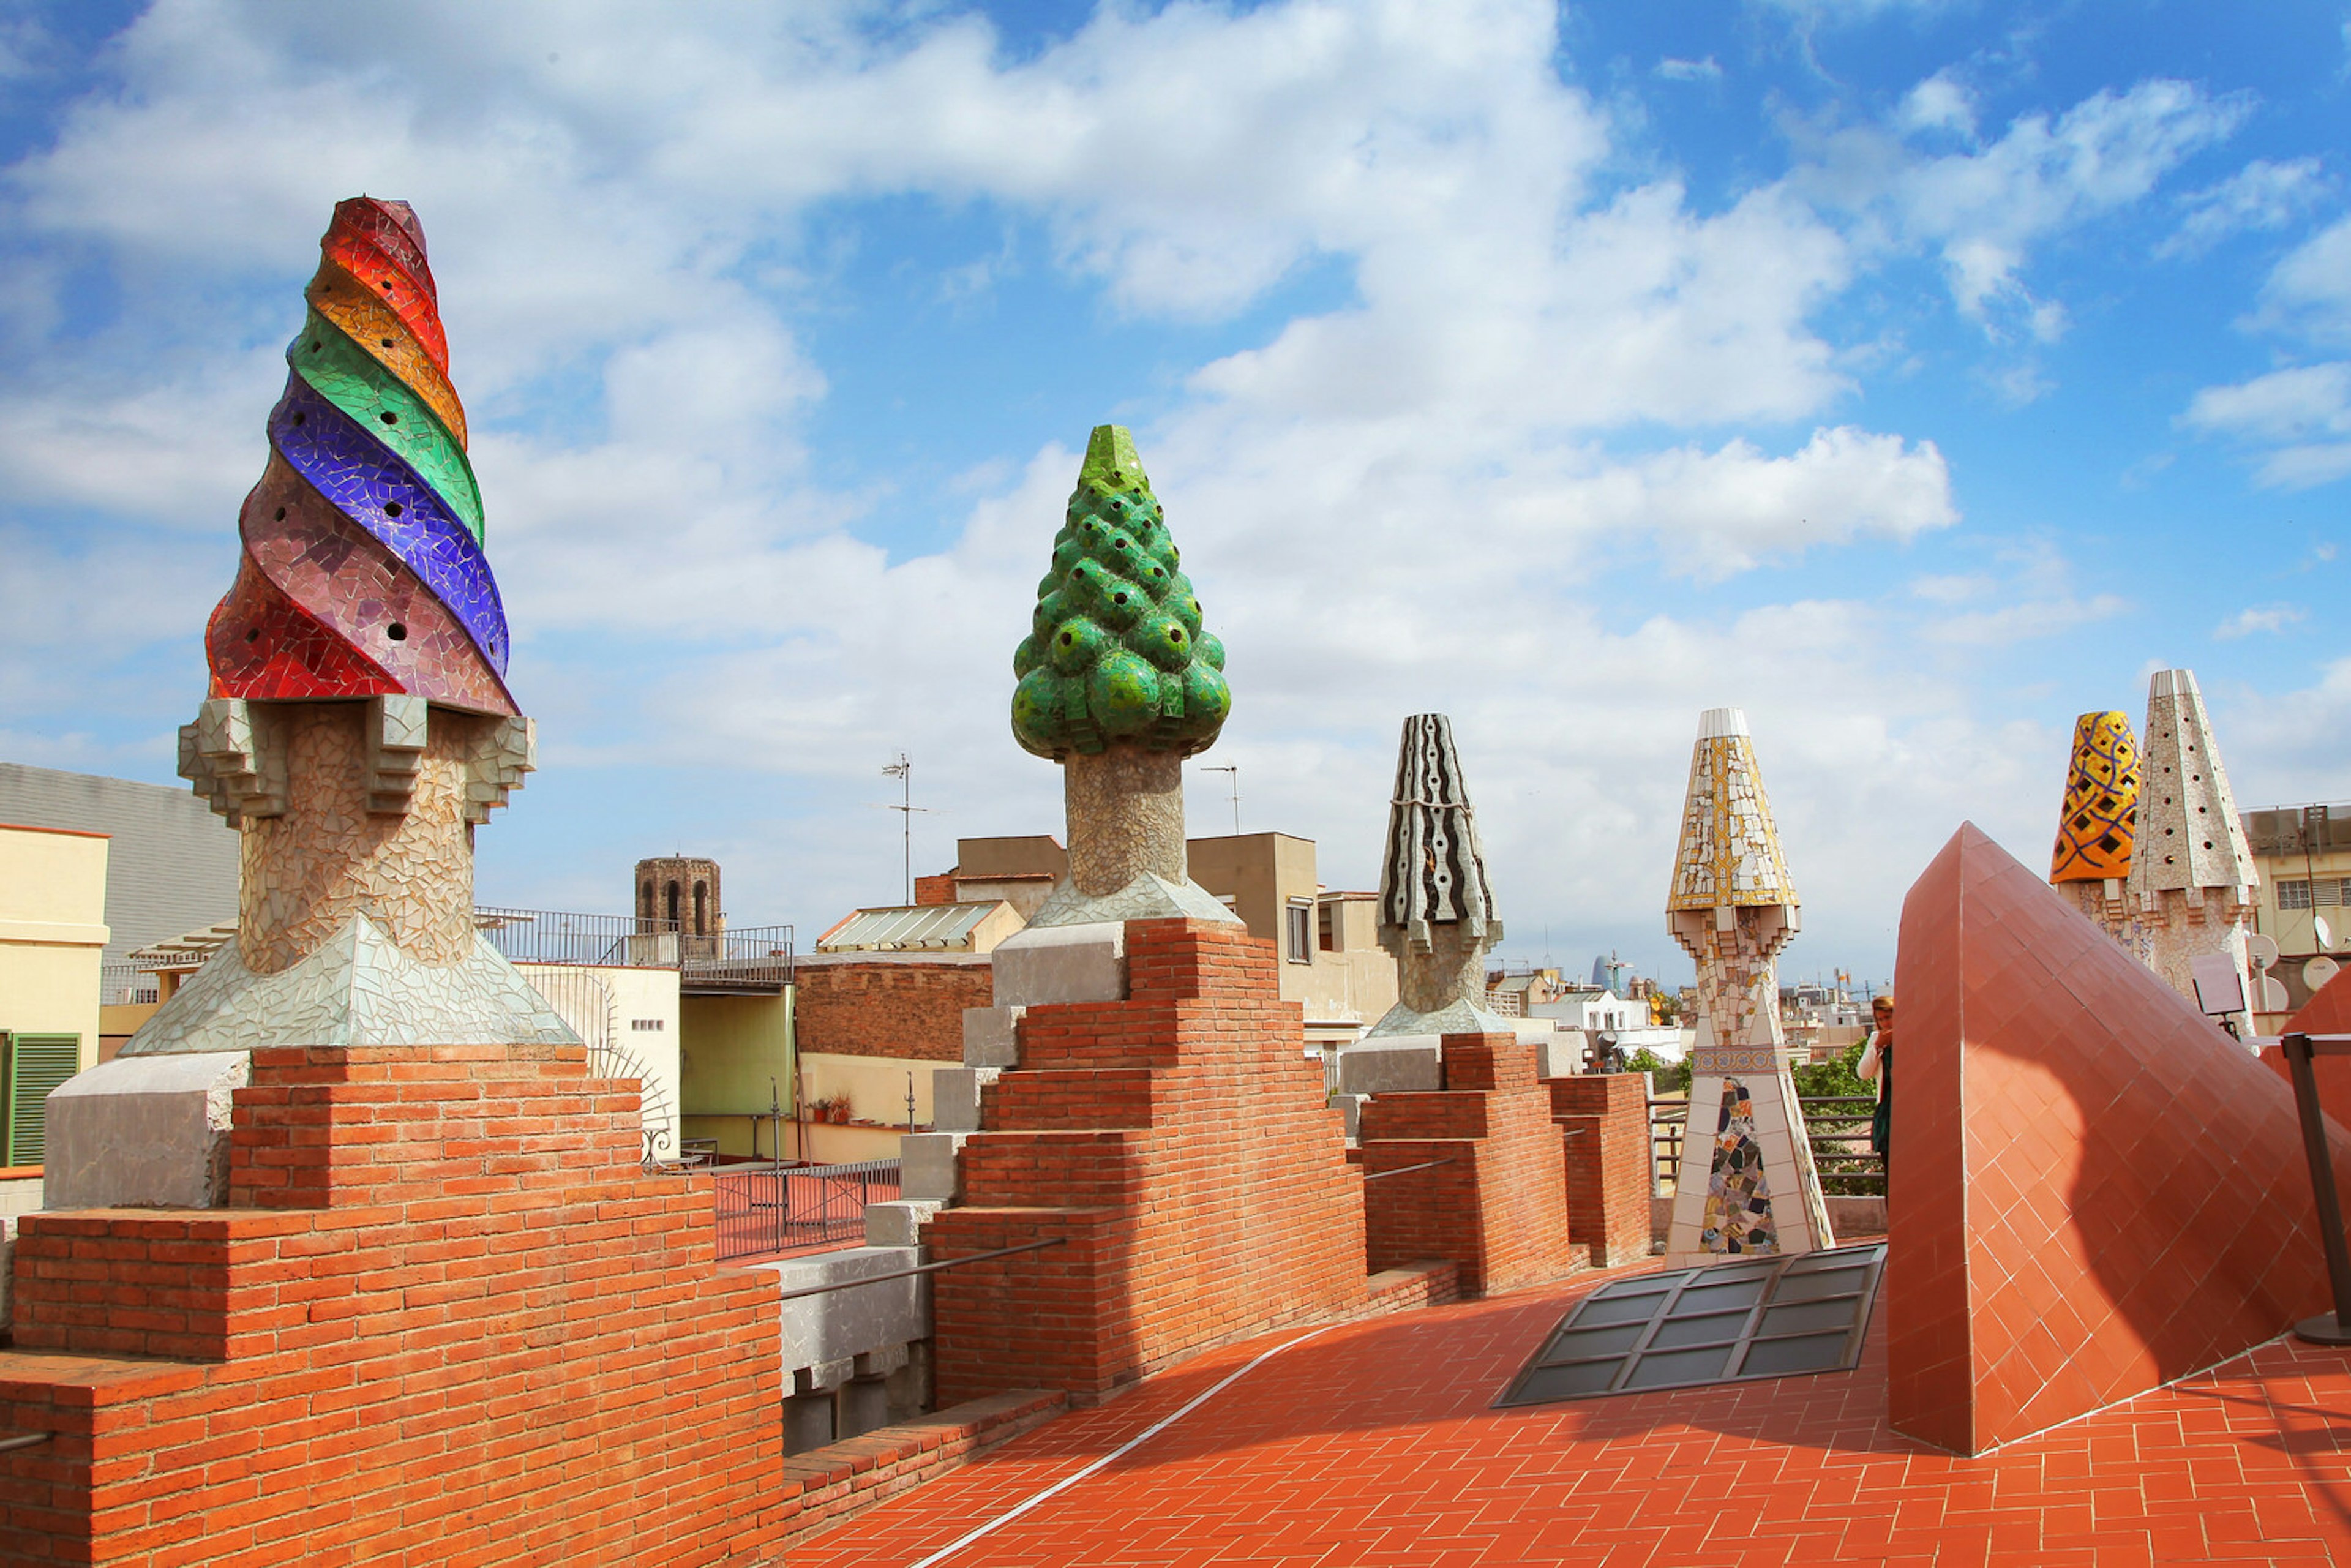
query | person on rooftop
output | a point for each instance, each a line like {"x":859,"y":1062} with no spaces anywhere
{"x":1877,"y":1066}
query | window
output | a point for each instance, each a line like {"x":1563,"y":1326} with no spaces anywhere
{"x":702,"y":909}
{"x":32,"y":1065}
{"x":2293,"y":895}
{"x":1327,"y":919}
{"x":1301,"y":932}
{"x":671,"y":916}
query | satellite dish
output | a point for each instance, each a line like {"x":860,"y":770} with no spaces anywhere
{"x":2260,"y":951}
{"x":2318,"y":971}
{"x":2326,"y":933}
{"x":2273,"y":997}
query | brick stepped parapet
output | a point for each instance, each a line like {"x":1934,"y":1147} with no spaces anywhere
{"x":1177,"y":1143}
{"x":1498,"y":1209}
{"x":489,"y":1329}
{"x":1604,"y":1121}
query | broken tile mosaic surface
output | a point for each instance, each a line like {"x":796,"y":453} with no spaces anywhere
{"x":1729,"y":851}
{"x":1737,"y":1192}
{"x":365,"y":318}
{"x":2099,"y":818}
{"x":338,"y":573}
{"x":355,"y":989}
{"x":363,"y":543}
{"x":305,"y":872}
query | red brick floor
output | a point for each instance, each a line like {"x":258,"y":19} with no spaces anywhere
{"x":1373,"y":1444}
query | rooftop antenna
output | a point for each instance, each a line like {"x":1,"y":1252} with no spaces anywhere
{"x":902,"y":770}
{"x":1235,"y":769}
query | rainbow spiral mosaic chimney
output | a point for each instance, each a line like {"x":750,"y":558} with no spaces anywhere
{"x":358,"y":726}
{"x":363,"y":572}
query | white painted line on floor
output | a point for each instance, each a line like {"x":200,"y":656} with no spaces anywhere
{"x":1008,"y":1515}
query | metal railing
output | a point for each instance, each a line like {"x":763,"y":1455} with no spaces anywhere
{"x":920,"y":1269}
{"x":118,"y":983}
{"x":753,"y":957}
{"x":794,"y":1208}
{"x":587,"y":941}
{"x":1847,"y":1166}
{"x":757,"y":956}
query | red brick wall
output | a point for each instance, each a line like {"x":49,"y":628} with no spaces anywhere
{"x":1498,"y":1209}
{"x":898,"y":1009}
{"x":445,"y":1311}
{"x":939,"y":889}
{"x":1604,"y":1121}
{"x":1179,"y":1145}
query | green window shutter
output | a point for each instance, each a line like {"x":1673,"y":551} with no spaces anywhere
{"x":36,"y":1064}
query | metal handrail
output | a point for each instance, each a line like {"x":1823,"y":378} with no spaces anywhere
{"x":1407,"y":1170}
{"x":2300,"y":1050}
{"x":921,"y":1268}
{"x":24,"y":1440}
{"x":1829,"y":1133}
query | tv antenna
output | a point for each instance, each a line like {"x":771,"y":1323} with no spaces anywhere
{"x":1234,"y":768}
{"x":902,"y":770}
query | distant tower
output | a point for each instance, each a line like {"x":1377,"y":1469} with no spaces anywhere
{"x":679,"y":893}
{"x":2192,"y":879}
{"x":2099,"y":820}
{"x":1747,"y":1183}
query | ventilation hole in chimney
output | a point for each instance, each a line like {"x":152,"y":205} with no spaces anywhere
{"x":396,"y":631}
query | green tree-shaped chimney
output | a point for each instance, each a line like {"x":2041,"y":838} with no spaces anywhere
{"x":1115,"y":651}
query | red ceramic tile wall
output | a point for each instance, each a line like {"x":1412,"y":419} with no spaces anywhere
{"x":448,"y":1307}
{"x":2094,"y":1189}
{"x":1498,"y":1209}
{"x":1179,"y":1144}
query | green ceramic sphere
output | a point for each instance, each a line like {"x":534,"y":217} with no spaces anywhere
{"x":1115,"y":650}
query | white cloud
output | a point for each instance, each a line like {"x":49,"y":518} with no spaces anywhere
{"x":2036,"y":599}
{"x":2302,"y":414}
{"x":2310,"y":291}
{"x":1448,"y":492}
{"x":1707,"y":69}
{"x":2269,"y":618}
{"x":2261,"y":195}
{"x":1951,"y":588}
{"x":1941,"y":102}
{"x":1983,"y":210}
{"x":2286,"y":746}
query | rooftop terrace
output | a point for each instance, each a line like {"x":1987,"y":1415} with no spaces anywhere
{"x":1375,"y":1443}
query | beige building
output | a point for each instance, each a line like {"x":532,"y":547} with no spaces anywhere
{"x":1020,"y":872}
{"x":1328,"y":940}
{"x":53,"y":936}
{"x":2303,"y":853}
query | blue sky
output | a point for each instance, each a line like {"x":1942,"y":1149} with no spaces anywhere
{"x":1915,"y":375}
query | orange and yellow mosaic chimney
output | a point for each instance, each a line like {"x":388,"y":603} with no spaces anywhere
{"x":2099,"y":820}
{"x":2097,"y":825}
